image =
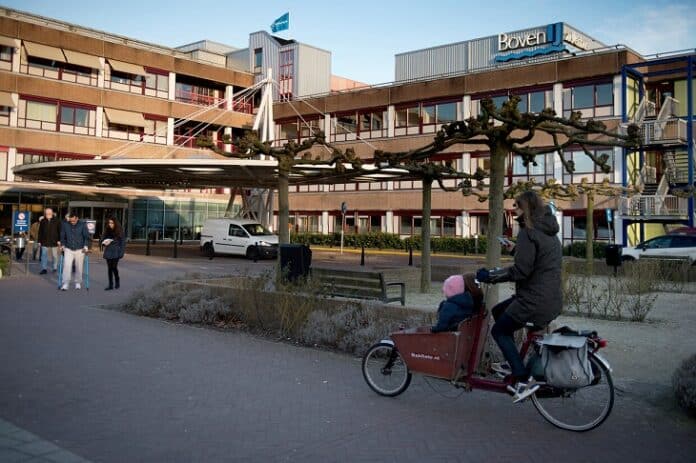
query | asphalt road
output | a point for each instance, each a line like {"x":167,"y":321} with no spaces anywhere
{"x":112,"y":387}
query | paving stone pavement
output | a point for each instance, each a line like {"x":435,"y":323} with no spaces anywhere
{"x":112,"y":387}
{"x":18,"y":445}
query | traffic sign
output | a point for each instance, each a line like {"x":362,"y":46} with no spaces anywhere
{"x":21,"y":221}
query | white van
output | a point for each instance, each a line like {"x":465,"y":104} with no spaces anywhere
{"x":238,"y":236}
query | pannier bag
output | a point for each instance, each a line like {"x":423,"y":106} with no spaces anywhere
{"x":566,"y":361}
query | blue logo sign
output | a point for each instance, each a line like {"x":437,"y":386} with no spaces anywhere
{"x":281,"y":24}
{"x":553,"y":35}
{"x":21,"y":221}
{"x":610,"y":216}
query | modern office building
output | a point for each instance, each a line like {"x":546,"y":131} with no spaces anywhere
{"x":69,"y":92}
{"x":553,"y":66}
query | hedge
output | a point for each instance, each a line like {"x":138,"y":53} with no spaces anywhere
{"x":379,"y":240}
{"x":577,"y":249}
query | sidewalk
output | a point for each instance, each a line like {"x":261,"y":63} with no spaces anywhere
{"x":18,"y":445}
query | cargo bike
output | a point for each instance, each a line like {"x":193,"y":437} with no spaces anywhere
{"x":454,"y":356}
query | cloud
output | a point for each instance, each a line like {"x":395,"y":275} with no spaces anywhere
{"x":650,"y":30}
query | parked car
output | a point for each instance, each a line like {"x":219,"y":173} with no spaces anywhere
{"x":5,"y":244}
{"x":672,"y":245}
{"x":238,"y":236}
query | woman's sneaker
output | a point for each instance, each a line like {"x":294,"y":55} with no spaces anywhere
{"x":523,"y":389}
{"x":501,"y":369}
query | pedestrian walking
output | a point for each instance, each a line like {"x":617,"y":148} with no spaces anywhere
{"x":75,"y":241}
{"x":114,"y":247}
{"x":34,"y":237}
{"x":49,"y":240}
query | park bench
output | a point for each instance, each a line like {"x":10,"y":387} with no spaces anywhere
{"x":357,"y":284}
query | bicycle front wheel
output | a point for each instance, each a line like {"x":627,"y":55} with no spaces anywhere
{"x":578,"y":409}
{"x":385,"y":371}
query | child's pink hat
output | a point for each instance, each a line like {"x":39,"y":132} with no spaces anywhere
{"x":453,"y":285}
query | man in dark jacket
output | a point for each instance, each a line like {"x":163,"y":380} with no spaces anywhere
{"x":49,"y":239}
{"x":75,"y":241}
{"x":537,"y":276}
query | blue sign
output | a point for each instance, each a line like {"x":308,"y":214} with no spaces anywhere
{"x":21,"y":221}
{"x":281,"y":24}
{"x":610,"y":216}
{"x":553,"y":36}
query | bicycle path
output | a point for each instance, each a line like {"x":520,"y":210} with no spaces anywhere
{"x":111,"y":387}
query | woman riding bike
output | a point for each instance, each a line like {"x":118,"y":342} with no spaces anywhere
{"x":537,"y":276}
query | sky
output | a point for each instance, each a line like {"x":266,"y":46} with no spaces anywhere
{"x":364,"y":36}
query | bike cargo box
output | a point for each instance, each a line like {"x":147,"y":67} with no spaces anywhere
{"x":440,"y":355}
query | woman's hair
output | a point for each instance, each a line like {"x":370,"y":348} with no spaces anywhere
{"x":118,"y":230}
{"x":474,"y":290}
{"x":531,"y":205}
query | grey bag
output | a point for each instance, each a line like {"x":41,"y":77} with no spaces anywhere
{"x":566,"y":361}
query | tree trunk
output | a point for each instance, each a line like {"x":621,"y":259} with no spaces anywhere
{"x":425,"y":235}
{"x":589,"y":235}
{"x":495,"y":215}
{"x":283,"y":208}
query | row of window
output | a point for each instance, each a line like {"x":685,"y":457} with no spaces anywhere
{"x":68,"y":117}
{"x":118,"y":76}
{"x":585,"y":168}
{"x":591,"y":100}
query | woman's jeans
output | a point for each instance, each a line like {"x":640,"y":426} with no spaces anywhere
{"x":504,"y":334}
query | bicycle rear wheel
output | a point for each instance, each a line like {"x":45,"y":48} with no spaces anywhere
{"x":385,"y":371}
{"x":578,"y":409}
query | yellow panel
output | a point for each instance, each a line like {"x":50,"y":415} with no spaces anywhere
{"x":654,"y":229}
{"x":680,"y":94}
{"x":633,"y":234}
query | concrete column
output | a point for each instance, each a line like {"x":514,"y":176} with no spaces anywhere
{"x":100,"y":72}
{"x":618,"y":97}
{"x":229,"y":93}
{"x":16,"y":55}
{"x":618,"y":165}
{"x":325,"y":222}
{"x":11,"y":162}
{"x":170,"y":131}
{"x":228,"y":147}
{"x":172,"y":86}
{"x":99,"y":121}
{"x":466,"y":107}
{"x":558,"y":99}
{"x":464,"y":225}
{"x":466,"y":163}
{"x":389,"y":222}
{"x":14,"y":111}
{"x":327,"y":126}
{"x":391,"y":120}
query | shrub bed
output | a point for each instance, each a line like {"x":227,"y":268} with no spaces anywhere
{"x":294,"y":312}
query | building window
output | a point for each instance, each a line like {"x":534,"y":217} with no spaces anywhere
{"x":371,"y":124}
{"x":155,"y":131}
{"x":156,"y":83}
{"x":68,"y":72}
{"x":75,"y":119}
{"x":3,"y":164}
{"x":540,"y":173}
{"x":285,"y":77}
{"x":309,"y":128}
{"x":6,"y":53}
{"x":344,"y":127}
{"x":592,"y":100}
{"x":5,"y":115}
{"x":287,"y":130}
{"x":38,"y":115}
{"x":197,"y":94}
{"x":586,"y":168}
{"x":258,"y":60}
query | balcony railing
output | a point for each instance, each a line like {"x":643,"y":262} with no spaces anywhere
{"x":199,"y":99}
{"x":653,"y":205}
{"x":659,"y":132}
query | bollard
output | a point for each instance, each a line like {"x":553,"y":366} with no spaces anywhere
{"x":176,"y":249}
{"x":410,"y":255}
{"x":362,"y":256}
{"x":256,"y":254}
{"x":147,"y":246}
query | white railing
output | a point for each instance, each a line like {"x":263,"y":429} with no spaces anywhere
{"x":661,"y":131}
{"x":653,"y":205}
{"x":669,"y":109}
{"x":662,"y":187}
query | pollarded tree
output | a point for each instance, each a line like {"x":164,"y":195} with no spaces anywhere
{"x":504,"y":131}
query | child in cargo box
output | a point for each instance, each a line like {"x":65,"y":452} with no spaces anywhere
{"x":463,"y":299}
